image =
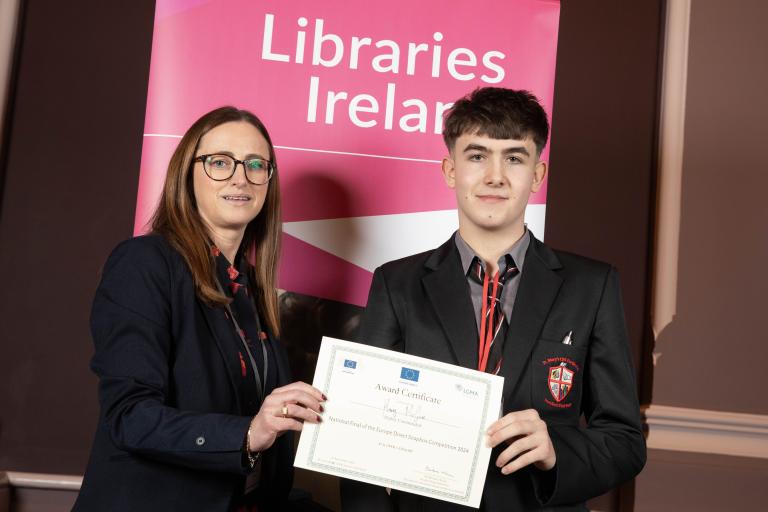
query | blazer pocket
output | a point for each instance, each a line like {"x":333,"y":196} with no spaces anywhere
{"x":556,"y":386}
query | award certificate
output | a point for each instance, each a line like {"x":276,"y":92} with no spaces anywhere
{"x":402,"y":422}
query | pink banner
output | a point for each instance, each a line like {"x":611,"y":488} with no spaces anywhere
{"x":353,"y":95}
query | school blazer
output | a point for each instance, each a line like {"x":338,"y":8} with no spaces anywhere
{"x":171,"y":431}
{"x":421,"y":305}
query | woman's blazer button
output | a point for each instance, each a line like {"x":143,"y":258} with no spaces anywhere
{"x":200,"y":441}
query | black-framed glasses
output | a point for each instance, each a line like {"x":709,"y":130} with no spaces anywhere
{"x":220,"y":167}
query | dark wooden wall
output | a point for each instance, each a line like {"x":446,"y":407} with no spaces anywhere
{"x":69,"y":195}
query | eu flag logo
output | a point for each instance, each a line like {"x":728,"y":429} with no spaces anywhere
{"x":348,"y":363}
{"x":409,"y":374}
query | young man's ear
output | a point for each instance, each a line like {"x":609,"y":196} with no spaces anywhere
{"x":539,"y":173}
{"x":449,"y":171}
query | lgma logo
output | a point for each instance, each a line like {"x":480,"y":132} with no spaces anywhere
{"x":461,"y":389}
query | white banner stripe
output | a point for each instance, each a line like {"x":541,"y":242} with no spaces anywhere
{"x":327,"y":151}
{"x":371,"y":246}
{"x":360,"y":154}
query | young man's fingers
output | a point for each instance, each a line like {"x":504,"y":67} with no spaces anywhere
{"x":523,"y":460}
{"x":511,"y":431}
{"x":522,"y":445}
{"x":528,"y":415}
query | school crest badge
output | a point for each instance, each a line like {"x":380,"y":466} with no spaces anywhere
{"x":560,"y":382}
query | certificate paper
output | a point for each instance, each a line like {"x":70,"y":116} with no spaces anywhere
{"x":402,"y":422}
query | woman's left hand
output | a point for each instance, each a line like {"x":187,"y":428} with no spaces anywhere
{"x":286,"y":408}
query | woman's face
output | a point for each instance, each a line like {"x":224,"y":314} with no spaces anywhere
{"x":229,"y":205}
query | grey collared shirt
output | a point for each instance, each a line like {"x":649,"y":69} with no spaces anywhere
{"x":517,"y":251}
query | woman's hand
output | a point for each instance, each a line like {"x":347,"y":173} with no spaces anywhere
{"x":286,"y":408}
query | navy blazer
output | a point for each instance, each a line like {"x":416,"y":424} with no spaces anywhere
{"x":421,"y":305}
{"x":171,"y":431}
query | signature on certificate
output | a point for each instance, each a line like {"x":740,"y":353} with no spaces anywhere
{"x":403,"y":412}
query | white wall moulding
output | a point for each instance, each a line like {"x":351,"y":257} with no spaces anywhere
{"x":671,"y":138}
{"x":44,"y":481}
{"x":705,"y":431}
{"x":9,"y":10}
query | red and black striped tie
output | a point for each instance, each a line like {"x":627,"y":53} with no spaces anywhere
{"x":494,"y":323}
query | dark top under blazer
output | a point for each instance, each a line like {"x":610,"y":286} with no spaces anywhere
{"x":421,"y":305}
{"x":171,"y":431}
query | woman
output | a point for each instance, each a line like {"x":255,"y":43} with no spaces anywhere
{"x":193,"y":384}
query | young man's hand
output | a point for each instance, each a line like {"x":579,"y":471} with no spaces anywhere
{"x":529,"y":443}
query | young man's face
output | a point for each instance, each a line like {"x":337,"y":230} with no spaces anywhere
{"x":493,"y":179}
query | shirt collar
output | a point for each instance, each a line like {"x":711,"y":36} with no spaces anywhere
{"x":228,"y":271}
{"x":516,"y":250}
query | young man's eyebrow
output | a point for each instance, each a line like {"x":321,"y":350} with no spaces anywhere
{"x":506,"y":151}
{"x":475,"y":147}
{"x":516,"y":149}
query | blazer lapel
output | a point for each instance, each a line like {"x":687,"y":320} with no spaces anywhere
{"x":447,"y":289}
{"x":221,"y":328}
{"x":539,"y":285}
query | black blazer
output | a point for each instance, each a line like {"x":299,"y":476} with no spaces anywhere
{"x":421,"y":305}
{"x":171,"y":431}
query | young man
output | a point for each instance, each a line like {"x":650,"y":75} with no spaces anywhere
{"x":496,"y":299}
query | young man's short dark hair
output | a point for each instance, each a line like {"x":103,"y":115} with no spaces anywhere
{"x":499,"y":114}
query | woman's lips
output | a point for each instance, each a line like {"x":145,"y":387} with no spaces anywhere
{"x":237,"y":198}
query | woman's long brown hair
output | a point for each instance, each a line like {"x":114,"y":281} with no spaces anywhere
{"x":178,"y":220}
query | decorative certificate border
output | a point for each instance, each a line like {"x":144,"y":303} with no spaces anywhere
{"x":385,"y":481}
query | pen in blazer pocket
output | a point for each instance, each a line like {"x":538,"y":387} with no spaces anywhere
{"x":567,"y":341}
